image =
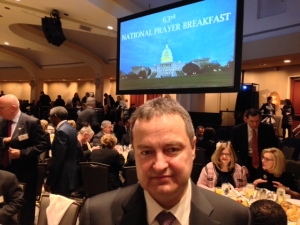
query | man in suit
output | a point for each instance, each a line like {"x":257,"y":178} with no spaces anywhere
{"x":241,"y":140}
{"x":63,"y":174}
{"x":106,"y":128}
{"x":11,"y":198}
{"x":22,"y":140}
{"x":89,"y":116}
{"x":164,"y":154}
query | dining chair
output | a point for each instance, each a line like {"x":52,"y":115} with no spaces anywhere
{"x":69,"y":218}
{"x":288,"y":152}
{"x":196,"y":172}
{"x":42,"y":170}
{"x":95,"y":178}
{"x":200,"y":156}
{"x":130,"y":176}
{"x":293,"y":167}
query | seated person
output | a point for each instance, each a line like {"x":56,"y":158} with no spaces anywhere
{"x":267,"y":212}
{"x":11,"y":198}
{"x":222,"y":169}
{"x":106,"y":128}
{"x":110,"y":156}
{"x":130,"y":159}
{"x":207,"y":142}
{"x":272,"y":175}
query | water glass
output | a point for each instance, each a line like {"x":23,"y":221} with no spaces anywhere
{"x":280,"y":195}
{"x":286,"y":197}
{"x":249,"y":190}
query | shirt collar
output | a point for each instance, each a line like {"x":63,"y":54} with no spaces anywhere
{"x":181,"y":210}
{"x":60,"y":123}
{"x":17,"y":117}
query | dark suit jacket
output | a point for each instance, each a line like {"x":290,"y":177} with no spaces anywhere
{"x":239,"y":140}
{"x":12,"y":194}
{"x":63,"y":173}
{"x":127,"y":206}
{"x":25,"y":168}
{"x":88,"y":115}
{"x":114,"y":160}
{"x":126,"y":139}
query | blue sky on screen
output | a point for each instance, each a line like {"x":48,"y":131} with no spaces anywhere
{"x":200,"y":30}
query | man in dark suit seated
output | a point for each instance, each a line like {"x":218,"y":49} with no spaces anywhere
{"x":106,"y":128}
{"x":11,"y":198}
{"x":249,"y":139}
{"x":164,"y":153}
{"x":22,"y":140}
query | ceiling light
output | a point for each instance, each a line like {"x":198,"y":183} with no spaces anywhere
{"x":18,"y":0}
{"x":287,"y":61}
{"x":110,"y":27}
{"x":6,"y":43}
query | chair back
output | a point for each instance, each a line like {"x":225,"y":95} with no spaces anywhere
{"x":293,"y":167}
{"x":42,"y":170}
{"x":288,"y":152}
{"x":95,"y":178}
{"x":196,"y":172}
{"x":295,"y":143}
{"x":200,"y":157}
{"x":70,"y":217}
{"x":130,"y":176}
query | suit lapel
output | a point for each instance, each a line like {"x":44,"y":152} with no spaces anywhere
{"x":18,"y":129}
{"x":134,"y":209}
{"x":200,"y":209}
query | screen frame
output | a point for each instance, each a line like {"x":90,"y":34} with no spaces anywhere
{"x":237,"y":53}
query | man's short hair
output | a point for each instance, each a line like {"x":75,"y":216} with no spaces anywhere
{"x":90,"y":101}
{"x":60,"y":112}
{"x":267,"y":212}
{"x":160,"y":107}
{"x":105,"y":123}
{"x":269,"y":98}
{"x":86,"y":129}
{"x":252,"y":112}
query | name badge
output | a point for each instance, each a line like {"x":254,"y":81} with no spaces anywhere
{"x":1,"y":199}
{"x":23,"y":137}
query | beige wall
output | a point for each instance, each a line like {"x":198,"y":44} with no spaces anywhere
{"x":19,"y":89}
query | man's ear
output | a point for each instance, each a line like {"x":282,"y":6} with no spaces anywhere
{"x":194,"y":147}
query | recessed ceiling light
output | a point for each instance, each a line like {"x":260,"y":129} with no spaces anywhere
{"x":18,"y":0}
{"x":263,"y":64}
{"x":287,"y":61}
{"x":6,"y":43}
{"x":110,"y":27}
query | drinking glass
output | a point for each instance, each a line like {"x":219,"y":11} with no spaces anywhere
{"x":286,"y":196}
{"x":280,"y":195}
{"x":225,"y":188}
{"x":249,"y":190}
{"x":218,"y":190}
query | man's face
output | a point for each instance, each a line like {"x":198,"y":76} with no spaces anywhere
{"x":253,"y":121}
{"x":7,"y":111}
{"x":164,"y":158}
{"x":108,"y":129}
{"x":200,"y":132}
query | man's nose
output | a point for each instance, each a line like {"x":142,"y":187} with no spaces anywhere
{"x":160,"y":163}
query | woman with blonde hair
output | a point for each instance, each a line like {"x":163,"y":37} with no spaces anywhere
{"x":109,"y":155}
{"x":272,"y":175}
{"x":222,"y":169}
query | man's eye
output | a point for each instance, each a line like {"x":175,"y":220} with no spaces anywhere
{"x":145,"y":152}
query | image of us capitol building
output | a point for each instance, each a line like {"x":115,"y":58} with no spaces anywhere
{"x":167,"y":68}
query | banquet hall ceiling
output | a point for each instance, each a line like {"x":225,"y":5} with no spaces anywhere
{"x":20,"y":26}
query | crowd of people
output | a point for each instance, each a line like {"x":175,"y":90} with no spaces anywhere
{"x":163,"y":155}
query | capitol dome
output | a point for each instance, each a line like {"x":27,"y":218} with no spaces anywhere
{"x":166,"y":55}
